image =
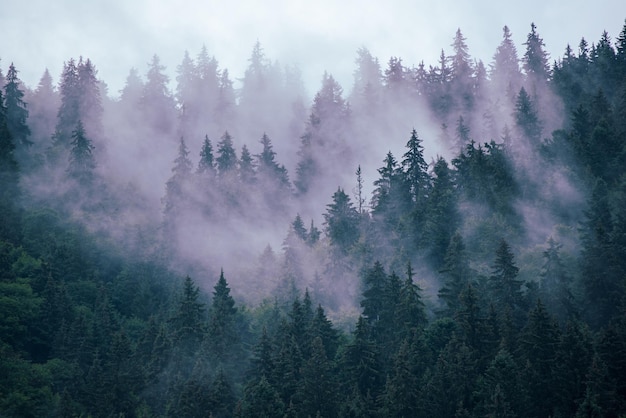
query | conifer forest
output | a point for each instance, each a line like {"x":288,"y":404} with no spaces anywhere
{"x":441,"y":240}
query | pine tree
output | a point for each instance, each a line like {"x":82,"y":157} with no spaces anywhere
{"x":461,"y":72}
{"x":415,"y":169}
{"x":247,"y":172}
{"x":341,"y":221}
{"x":402,"y":389}
{"x":318,"y":389}
{"x":526,"y":118}
{"x":10,"y":193}
{"x":261,"y":400}
{"x":43,"y":111}
{"x":601,"y":280}
{"x":506,"y":288}
{"x":221,"y":397}
{"x":227,"y":157}
{"x":222,"y":333}
{"x":176,"y":188}
{"x":374,"y":284}
{"x":206,"y":165}
{"x":443,"y":218}
{"x":539,"y":341}
{"x":505,"y":71}
{"x":69,"y":111}
{"x":535,"y":59}
{"x":186,"y":92}
{"x":555,"y":285}
{"x":273,"y":175}
{"x":90,"y":101}
{"x":157,"y":103}
{"x":360,"y":363}
{"x":82,"y":162}
{"x":188,"y":322}
{"x":15,"y":109}
{"x":299,"y":229}
{"x":456,"y":274}
{"x":410,"y":315}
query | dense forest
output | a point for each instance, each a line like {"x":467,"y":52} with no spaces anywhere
{"x":446,"y":240}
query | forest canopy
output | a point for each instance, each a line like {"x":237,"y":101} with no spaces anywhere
{"x":441,"y":240}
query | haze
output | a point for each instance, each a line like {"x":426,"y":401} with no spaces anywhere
{"x":317,"y":36}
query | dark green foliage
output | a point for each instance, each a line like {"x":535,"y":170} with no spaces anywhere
{"x":504,"y":284}
{"x":526,"y":118}
{"x":206,"y":165}
{"x":535,"y":59}
{"x":16,"y":111}
{"x":227,"y":157}
{"x":188,"y":321}
{"x":222,"y":335}
{"x":341,"y":221}
{"x":538,"y":346}
{"x":10,"y":192}
{"x":82,"y":162}
{"x":92,"y":322}
{"x":456,"y":274}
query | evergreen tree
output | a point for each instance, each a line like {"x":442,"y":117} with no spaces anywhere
{"x":535,"y":59}
{"x":15,"y":109}
{"x":461,"y":72}
{"x":367,"y":89}
{"x":261,"y":400}
{"x":227,"y":157}
{"x":226,"y":107}
{"x":82,"y":162}
{"x":410,"y":315}
{"x":43,"y":111}
{"x":176,"y":188}
{"x":10,"y":193}
{"x":318,"y":391}
{"x":341,"y":221}
{"x":186,"y":91}
{"x":270,"y":172}
{"x":206,"y":165}
{"x":90,"y":101}
{"x":539,"y":341}
{"x":221,"y":397}
{"x":374,"y":286}
{"x":505,"y":71}
{"x":222,"y":333}
{"x":555,"y":285}
{"x":506,"y":287}
{"x":247,"y":172}
{"x":601,"y":280}
{"x":69,"y":111}
{"x":188,"y":321}
{"x":527,"y":119}
{"x":299,"y":229}
{"x":500,"y":388}
{"x":157,"y":103}
{"x":415,"y":169}
{"x":443,"y":217}
{"x":402,"y":389}
{"x":360,"y":362}
{"x":456,"y":274}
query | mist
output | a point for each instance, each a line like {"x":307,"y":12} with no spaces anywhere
{"x":216,"y":174}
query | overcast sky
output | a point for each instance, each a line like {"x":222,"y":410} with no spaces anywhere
{"x":316,"y":35}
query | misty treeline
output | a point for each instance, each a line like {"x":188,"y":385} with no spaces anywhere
{"x":368,"y":279}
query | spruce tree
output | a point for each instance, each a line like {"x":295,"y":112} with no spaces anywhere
{"x":82,"y":162}
{"x":341,"y":221}
{"x":15,"y":109}
{"x":10,"y":193}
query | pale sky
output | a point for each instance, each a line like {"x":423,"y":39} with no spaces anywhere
{"x":318,"y":36}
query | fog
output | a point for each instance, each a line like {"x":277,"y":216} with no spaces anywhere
{"x":151,"y":195}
